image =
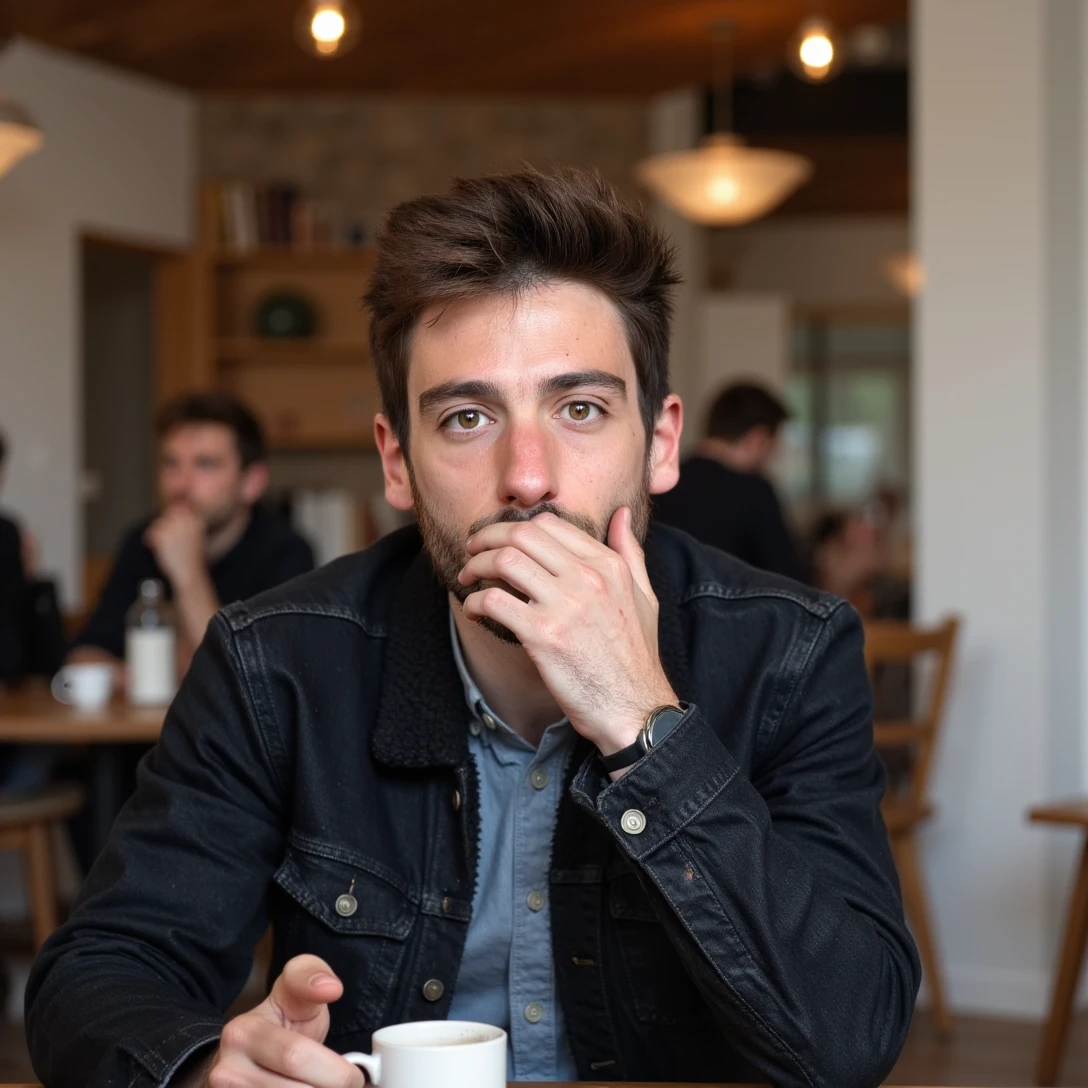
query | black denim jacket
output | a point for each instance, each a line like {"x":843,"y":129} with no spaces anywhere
{"x":752,"y":931}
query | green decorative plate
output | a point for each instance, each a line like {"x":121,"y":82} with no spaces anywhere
{"x":285,"y":315}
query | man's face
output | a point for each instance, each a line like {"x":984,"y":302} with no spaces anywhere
{"x":517,"y":406}
{"x":199,"y":467}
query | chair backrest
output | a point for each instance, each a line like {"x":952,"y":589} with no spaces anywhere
{"x":892,"y":643}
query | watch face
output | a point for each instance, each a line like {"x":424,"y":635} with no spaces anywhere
{"x":662,"y":724}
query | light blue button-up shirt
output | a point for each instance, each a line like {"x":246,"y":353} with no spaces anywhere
{"x":507,"y":977}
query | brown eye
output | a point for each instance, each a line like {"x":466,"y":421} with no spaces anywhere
{"x":468,"y":420}
{"x":580,"y":411}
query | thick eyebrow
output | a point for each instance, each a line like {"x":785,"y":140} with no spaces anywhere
{"x":602,"y":379}
{"x":431,"y":399}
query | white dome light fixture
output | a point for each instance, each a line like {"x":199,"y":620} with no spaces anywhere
{"x":328,"y":28}
{"x":19,"y":136}
{"x":723,"y":182}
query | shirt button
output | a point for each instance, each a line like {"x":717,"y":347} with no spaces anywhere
{"x":474,"y":728}
{"x":346,"y":906}
{"x":534,"y":1012}
{"x":633,"y":822}
{"x":535,"y":900}
{"x":539,"y":778}
{"x":433,"y":989}
{"x":489,"y":721}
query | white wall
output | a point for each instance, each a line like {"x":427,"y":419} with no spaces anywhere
{"x":826,"y":262}
{"x":999,"y":475}
{"x":743,"y":336}
{"x":118,"y":160}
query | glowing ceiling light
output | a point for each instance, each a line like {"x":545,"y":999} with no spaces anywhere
{"x":328,"y":28}
{"x":723,"y":182}
{"x":815,"y":52}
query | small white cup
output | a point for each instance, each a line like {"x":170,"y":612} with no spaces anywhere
{"x":450,"y":1053}
{"x":86,"y":686}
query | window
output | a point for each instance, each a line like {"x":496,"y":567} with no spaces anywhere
{"x":849,"y":393}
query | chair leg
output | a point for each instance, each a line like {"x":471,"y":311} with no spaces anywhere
{"x":1070,"y":960}
{"x":41,"y":882}
{"x":914,"y":900}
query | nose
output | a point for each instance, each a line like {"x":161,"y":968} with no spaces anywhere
{"x":527,"y":469}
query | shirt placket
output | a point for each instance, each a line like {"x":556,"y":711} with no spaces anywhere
{"x":533,"y":1012}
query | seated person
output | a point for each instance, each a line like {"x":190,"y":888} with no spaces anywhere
{"x":724,"y":497}
{"x":211,"y":542}
{"x":845,"y":551}
{"x":528,"y":764}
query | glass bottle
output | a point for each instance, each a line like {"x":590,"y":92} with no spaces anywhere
{"x":151,"y":647}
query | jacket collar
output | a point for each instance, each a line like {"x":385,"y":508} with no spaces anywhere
{"x":422,"y":718}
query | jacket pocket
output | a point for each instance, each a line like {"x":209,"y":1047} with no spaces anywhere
{"x":357,"y":917}
{"x":660,"y":989}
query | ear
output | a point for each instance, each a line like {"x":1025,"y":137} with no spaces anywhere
{"x":665,"y":451}
{"x":254,"y":482}
{"x":398,"y":485}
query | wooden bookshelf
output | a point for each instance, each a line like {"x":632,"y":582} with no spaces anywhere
{"x":314,"y":393}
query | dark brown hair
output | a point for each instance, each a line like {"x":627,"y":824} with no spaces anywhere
{"x":507,"y":234}
{"x":221,"y":408}
{"x":741,"y":408}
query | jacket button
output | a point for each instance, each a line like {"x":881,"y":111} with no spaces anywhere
{"x":346,"y":906}
{"x":433,"y":989}
{"x":534,"y":1012}
{"x":633,"y":822}
{"x":456,"y":800}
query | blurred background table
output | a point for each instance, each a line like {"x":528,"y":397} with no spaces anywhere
{"x":30,"y":715}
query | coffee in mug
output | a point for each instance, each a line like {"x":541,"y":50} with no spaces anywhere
{"x":446,"y":1053}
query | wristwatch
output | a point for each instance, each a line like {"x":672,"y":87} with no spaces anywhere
{"x":661,"y":722}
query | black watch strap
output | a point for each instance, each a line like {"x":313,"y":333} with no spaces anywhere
{"x":647,"y":738}
{"x":624,"y":757}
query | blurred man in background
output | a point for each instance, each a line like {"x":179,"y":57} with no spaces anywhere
{"x":14,"y":556}
{"x":724,"y":497}
{"x":210,"y":542}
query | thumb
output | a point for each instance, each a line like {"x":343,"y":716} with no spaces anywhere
{"x":623,"y":541}
{"x":300,"y":996}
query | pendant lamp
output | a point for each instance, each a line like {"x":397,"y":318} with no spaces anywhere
{"x":19,"y":136}
{"x":723,"y":182}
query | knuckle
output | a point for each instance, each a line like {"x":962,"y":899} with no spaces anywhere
{"x":492,"y":598}
{"x":507,"y":558}
{"x":293,"y":1057}
{"x":235,"y":1034}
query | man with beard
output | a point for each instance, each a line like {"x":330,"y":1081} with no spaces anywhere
{"x":211,"y":543}
{"x":610,"y":790}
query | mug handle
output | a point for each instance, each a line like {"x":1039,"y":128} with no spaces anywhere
{"x":370,"y":1063}
{"x":61,"y":687}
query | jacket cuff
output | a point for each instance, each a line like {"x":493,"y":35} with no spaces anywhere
{"x":664,"y":791}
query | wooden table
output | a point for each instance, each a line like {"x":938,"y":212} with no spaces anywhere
{"x":30,"y":715}
{"x":1072,"y":813}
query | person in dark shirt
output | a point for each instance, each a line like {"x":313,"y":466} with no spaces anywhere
{"x":210,"y":543}
{"x":724,"y":497}
{"x":13,"y":590}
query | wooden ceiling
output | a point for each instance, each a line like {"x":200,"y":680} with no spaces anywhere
{"x":546,"y":47}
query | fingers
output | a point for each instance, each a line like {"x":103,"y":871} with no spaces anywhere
{"x":511,"y":566}
{"x":502,"y":607}
{"x":623,"y":541}
{"x":526,"y":536}
{"x":305,"y":986}
{"x":268,"y":1052}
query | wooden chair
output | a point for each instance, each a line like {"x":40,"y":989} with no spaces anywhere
{"x":905,"y":807}
{"x":26,"y":824}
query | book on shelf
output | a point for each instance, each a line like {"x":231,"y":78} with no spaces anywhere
{"x":250,"y":217}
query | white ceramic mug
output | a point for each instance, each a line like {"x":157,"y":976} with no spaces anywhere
{"x":87,"y":686}
{"x":450,"y":1053}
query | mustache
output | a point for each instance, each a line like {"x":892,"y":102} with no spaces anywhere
{"x":510,"y":513}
